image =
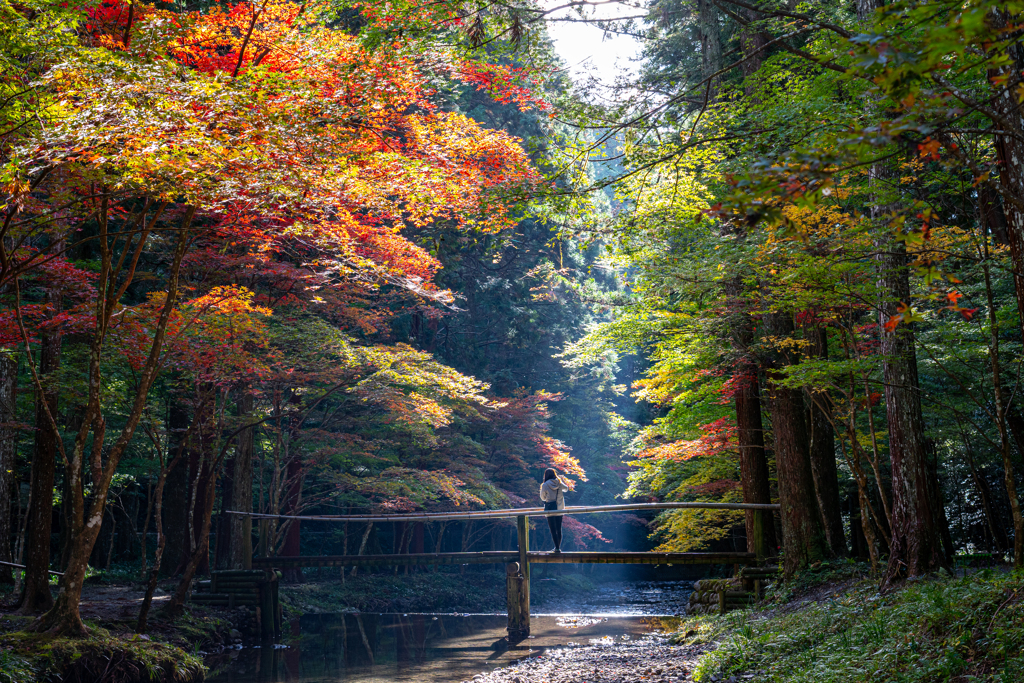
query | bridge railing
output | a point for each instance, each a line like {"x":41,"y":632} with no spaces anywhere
{"x":509,"y":513}
{"x":519,"y":560}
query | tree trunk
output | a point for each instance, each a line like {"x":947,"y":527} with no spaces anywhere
{"x":803,"y":538}
{"x":199,"y":475}
{"x":222,"y":553}
{"x":916,"y":547}
{"x":292,"y":540}
{"x":362,"y":544}
{"x":823,"y":452}
{"x":866,"y":9}
{"x":175,"y":517}
{"x":201,"y":554}
{"x":241,"y":493}
{"x":64,"y":618}
{"x":1009,"y":476}
{"x":999,"y":541}
{"x":754,"y":477}
{"x":161,"y":543}
{"x":710,"y":47}
{"x":8,"y":455}
{"x":1009,"y":147}
{"x":36,"y":596}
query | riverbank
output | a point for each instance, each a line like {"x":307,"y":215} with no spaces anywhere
{"x":829,"y":626}
{"x":111,"y":602}
{"x":171,"y":650}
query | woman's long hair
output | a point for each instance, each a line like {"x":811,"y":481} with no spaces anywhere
{"x":549,"y":473}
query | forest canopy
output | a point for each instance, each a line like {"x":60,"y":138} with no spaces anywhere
{"x":340,"y":258}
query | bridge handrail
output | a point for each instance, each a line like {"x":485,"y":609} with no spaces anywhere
{"x":512,"y":512}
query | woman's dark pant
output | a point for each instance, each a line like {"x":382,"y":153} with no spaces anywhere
{"x":555,"y":524}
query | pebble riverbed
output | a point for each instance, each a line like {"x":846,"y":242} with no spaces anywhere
{"x":649,"y":659}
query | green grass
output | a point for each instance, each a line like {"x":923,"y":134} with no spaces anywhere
{"x":937,"y":629}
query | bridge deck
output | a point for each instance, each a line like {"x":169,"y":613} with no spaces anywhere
{"x":496,"y":557}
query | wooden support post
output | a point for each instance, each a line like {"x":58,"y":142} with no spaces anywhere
{"x":518,"y":605}
{"x":263,"y":550}
{"x":523,"y":529}
{"x":276,"y":604}
{"x":759,"y":549}
{"x":247,"y":543}
{"x":267,"y":607}
{"x":721,"y":601}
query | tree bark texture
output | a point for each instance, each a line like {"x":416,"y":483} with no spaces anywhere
{"x":8,"y":454}
{"x":823,"y":452}
{"x":803,"y":538}
{"x":754,"y":476}
{"x":710,"y":46}
{"x":200,"y":556}
{"x":175,"y":516}
{"x":223,"y":545}
{"x":916,"y":546}
{"x":1009,"y":146}
{"x":293,"y":501}
{"x":36,"y":596}
{"x":240,"y":555}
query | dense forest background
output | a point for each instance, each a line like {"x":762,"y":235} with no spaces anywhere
{"x":342,"y":258}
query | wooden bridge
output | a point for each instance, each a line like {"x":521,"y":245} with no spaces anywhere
{"x":518,"y":561}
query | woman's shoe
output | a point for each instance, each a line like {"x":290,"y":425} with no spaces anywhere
{"x":556,"y":551}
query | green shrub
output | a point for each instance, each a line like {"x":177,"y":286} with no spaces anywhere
{"x":935,"y":629}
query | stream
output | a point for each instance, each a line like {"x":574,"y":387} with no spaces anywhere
{"x":350,"y":648}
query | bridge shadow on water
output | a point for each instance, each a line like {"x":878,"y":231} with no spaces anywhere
{"x":350,"y":648}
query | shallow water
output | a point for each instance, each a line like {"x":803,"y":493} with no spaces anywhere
{"x":621,"y":598}
{"x":350,"y":648}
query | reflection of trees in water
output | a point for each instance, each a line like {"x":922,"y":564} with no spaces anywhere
{"x":356,"y":647}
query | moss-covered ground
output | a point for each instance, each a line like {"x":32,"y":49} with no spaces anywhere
{"x":834,"y":626}
{"x":112,"y":652}
{"x":28,"y":657}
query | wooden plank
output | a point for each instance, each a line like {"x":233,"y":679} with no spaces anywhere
{"x":643,"y":558}
{"x":495,"y":557}
{"x":511,"y":512}
{"x":486,"y":557}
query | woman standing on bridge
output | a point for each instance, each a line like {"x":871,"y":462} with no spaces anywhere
{"x":551,"y":492}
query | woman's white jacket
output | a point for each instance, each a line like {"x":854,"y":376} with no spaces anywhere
{"x":551,"y":490}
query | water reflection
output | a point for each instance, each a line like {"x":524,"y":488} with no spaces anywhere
{"x":411,"y":647}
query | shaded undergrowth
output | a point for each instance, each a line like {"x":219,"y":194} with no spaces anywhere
{"x":26,"y":657}
{"x":935,"y":629}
